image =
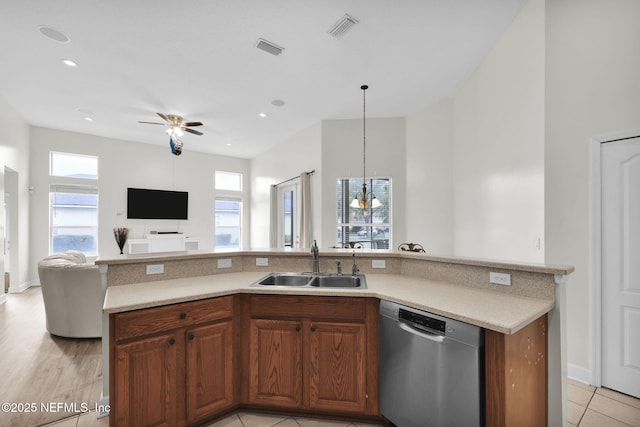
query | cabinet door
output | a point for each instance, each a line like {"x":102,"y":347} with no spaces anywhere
{"x":275,"y":363}
{"x":337,"y":366}
{"x":209,"y":371}
{"x":145,"y":384}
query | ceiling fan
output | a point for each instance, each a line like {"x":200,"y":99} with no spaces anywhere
{"x":176,"y":125}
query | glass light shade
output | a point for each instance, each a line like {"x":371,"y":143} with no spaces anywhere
{"x":175,"y":131}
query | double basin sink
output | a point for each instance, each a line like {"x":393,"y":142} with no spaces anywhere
{"x":310,"y":280}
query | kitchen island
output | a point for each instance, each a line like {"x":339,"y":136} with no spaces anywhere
{"x":453,"y":287}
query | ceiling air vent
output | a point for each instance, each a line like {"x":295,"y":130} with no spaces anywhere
{"x":269,"y":47}
{"x":343,"y":25}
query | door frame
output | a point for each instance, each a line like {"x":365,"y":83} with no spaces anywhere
{"x":596,"y":249}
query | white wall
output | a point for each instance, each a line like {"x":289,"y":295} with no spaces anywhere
{"x":123,"y":164}
{"x":342,"y":144}
{"x":300,"y":153}
{"x":498,"y":147}
{"x":592,"y":89}
{"x":14,"y":155}
{"x":429,"y":162}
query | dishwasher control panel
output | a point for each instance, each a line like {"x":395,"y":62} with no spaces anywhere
{"x":423,"y":322}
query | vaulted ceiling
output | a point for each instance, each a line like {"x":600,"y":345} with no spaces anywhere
{"x":198,"y":59}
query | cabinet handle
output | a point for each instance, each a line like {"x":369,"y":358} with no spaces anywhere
{"x":172,"y":341}
{"x":190,"y":336}
{"x":297,"y":328}
{"x":183,"y":315}
{"x":313,"y":328}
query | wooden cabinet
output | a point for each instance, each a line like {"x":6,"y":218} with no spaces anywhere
{"x":313,"y":353}
{"x":172,"y":365}
{"x":516,"y":376}
{"x":146,"y":382}
{"x":337,"y":367}
{"x":209,"y":370}
{"x":275,"y":351}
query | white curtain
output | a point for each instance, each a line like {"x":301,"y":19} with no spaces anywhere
{"x":273,"y":219}
{"x":305,"y":210}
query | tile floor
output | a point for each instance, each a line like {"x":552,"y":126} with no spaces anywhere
{"x":587,"y":407}
{"x":241,"y":419}
{"x":600,"y":407}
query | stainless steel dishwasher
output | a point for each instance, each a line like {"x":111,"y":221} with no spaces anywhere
{"x":431,"y":369}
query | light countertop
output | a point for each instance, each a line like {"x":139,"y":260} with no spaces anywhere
{"x":489,"y":309}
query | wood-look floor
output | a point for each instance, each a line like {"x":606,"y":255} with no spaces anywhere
{"x":40,"y":371}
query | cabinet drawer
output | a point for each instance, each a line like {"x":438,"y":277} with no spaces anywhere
{"x":159,"y":319}
{"x":318,"y":308}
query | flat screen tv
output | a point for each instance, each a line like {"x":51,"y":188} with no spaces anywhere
{"x":157,"y":204}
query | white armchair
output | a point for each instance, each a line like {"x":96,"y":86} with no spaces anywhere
{"x":73,"y":295}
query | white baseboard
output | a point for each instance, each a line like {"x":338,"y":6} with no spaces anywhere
{"x":3,"y":298}
{"x":23,"y":287}
{"x":579,"y":373}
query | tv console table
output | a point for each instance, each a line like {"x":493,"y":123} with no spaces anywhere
{"x":162,"y":243}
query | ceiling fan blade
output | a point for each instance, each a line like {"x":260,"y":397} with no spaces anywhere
{"x":153,"y":123}
{"x":165,"y":118}
{"x":192,"y":124}
{"x":193,"y":131}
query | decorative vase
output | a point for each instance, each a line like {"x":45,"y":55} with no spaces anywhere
{"x":120,"y":233}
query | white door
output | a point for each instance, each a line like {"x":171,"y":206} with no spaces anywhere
{"x":621,"y":265}
{"x":288,"y":214}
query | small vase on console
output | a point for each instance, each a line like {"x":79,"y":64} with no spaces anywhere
{"x":120,"y":233}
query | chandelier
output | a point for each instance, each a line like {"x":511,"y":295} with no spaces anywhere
{"x":364,"y":200}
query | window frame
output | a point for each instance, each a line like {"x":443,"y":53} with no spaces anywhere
{"x":71,"y":189}
{"x":75,"y":183}
{"x":343,"y":234}
{"x":230,"y":195}
{"x":216,"y":227}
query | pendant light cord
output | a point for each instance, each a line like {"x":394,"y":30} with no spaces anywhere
{"x":364,"y":134}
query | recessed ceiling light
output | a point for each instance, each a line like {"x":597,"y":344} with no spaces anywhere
{"x":263,"y":115}
{"x":277,"y":102}
{"x":69,"y":63}
{"x":228,"y":144}
{"x":53,"y":34}
{"x":89,"y":119}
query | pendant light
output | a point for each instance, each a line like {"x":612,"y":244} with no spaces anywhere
{"x":364,"y":200}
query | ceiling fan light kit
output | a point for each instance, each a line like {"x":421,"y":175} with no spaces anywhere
{"x":177,"y":128}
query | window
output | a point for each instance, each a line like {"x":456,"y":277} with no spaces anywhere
{"x":73,"y":166}
{"x":228,"y":227}
{"x":73,"y":208}
{"x":229,"y":181}
{"x":74,"y":218}
{"x":228,"y":210}
{"x":370,"y":227}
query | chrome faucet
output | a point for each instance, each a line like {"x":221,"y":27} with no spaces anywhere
{"x":316,"y":259}
{"x":339,"y":267}
{"x":354,"y":268}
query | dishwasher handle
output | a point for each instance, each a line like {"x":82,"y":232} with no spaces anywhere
{"x":430,"y":337}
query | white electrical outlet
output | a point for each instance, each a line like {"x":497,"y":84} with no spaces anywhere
{"x":500,"y":278}
{"x":262,"y":262}
{"x":155,"y":268}
{"x":224,"y":263}
{"x":378,"y":263}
